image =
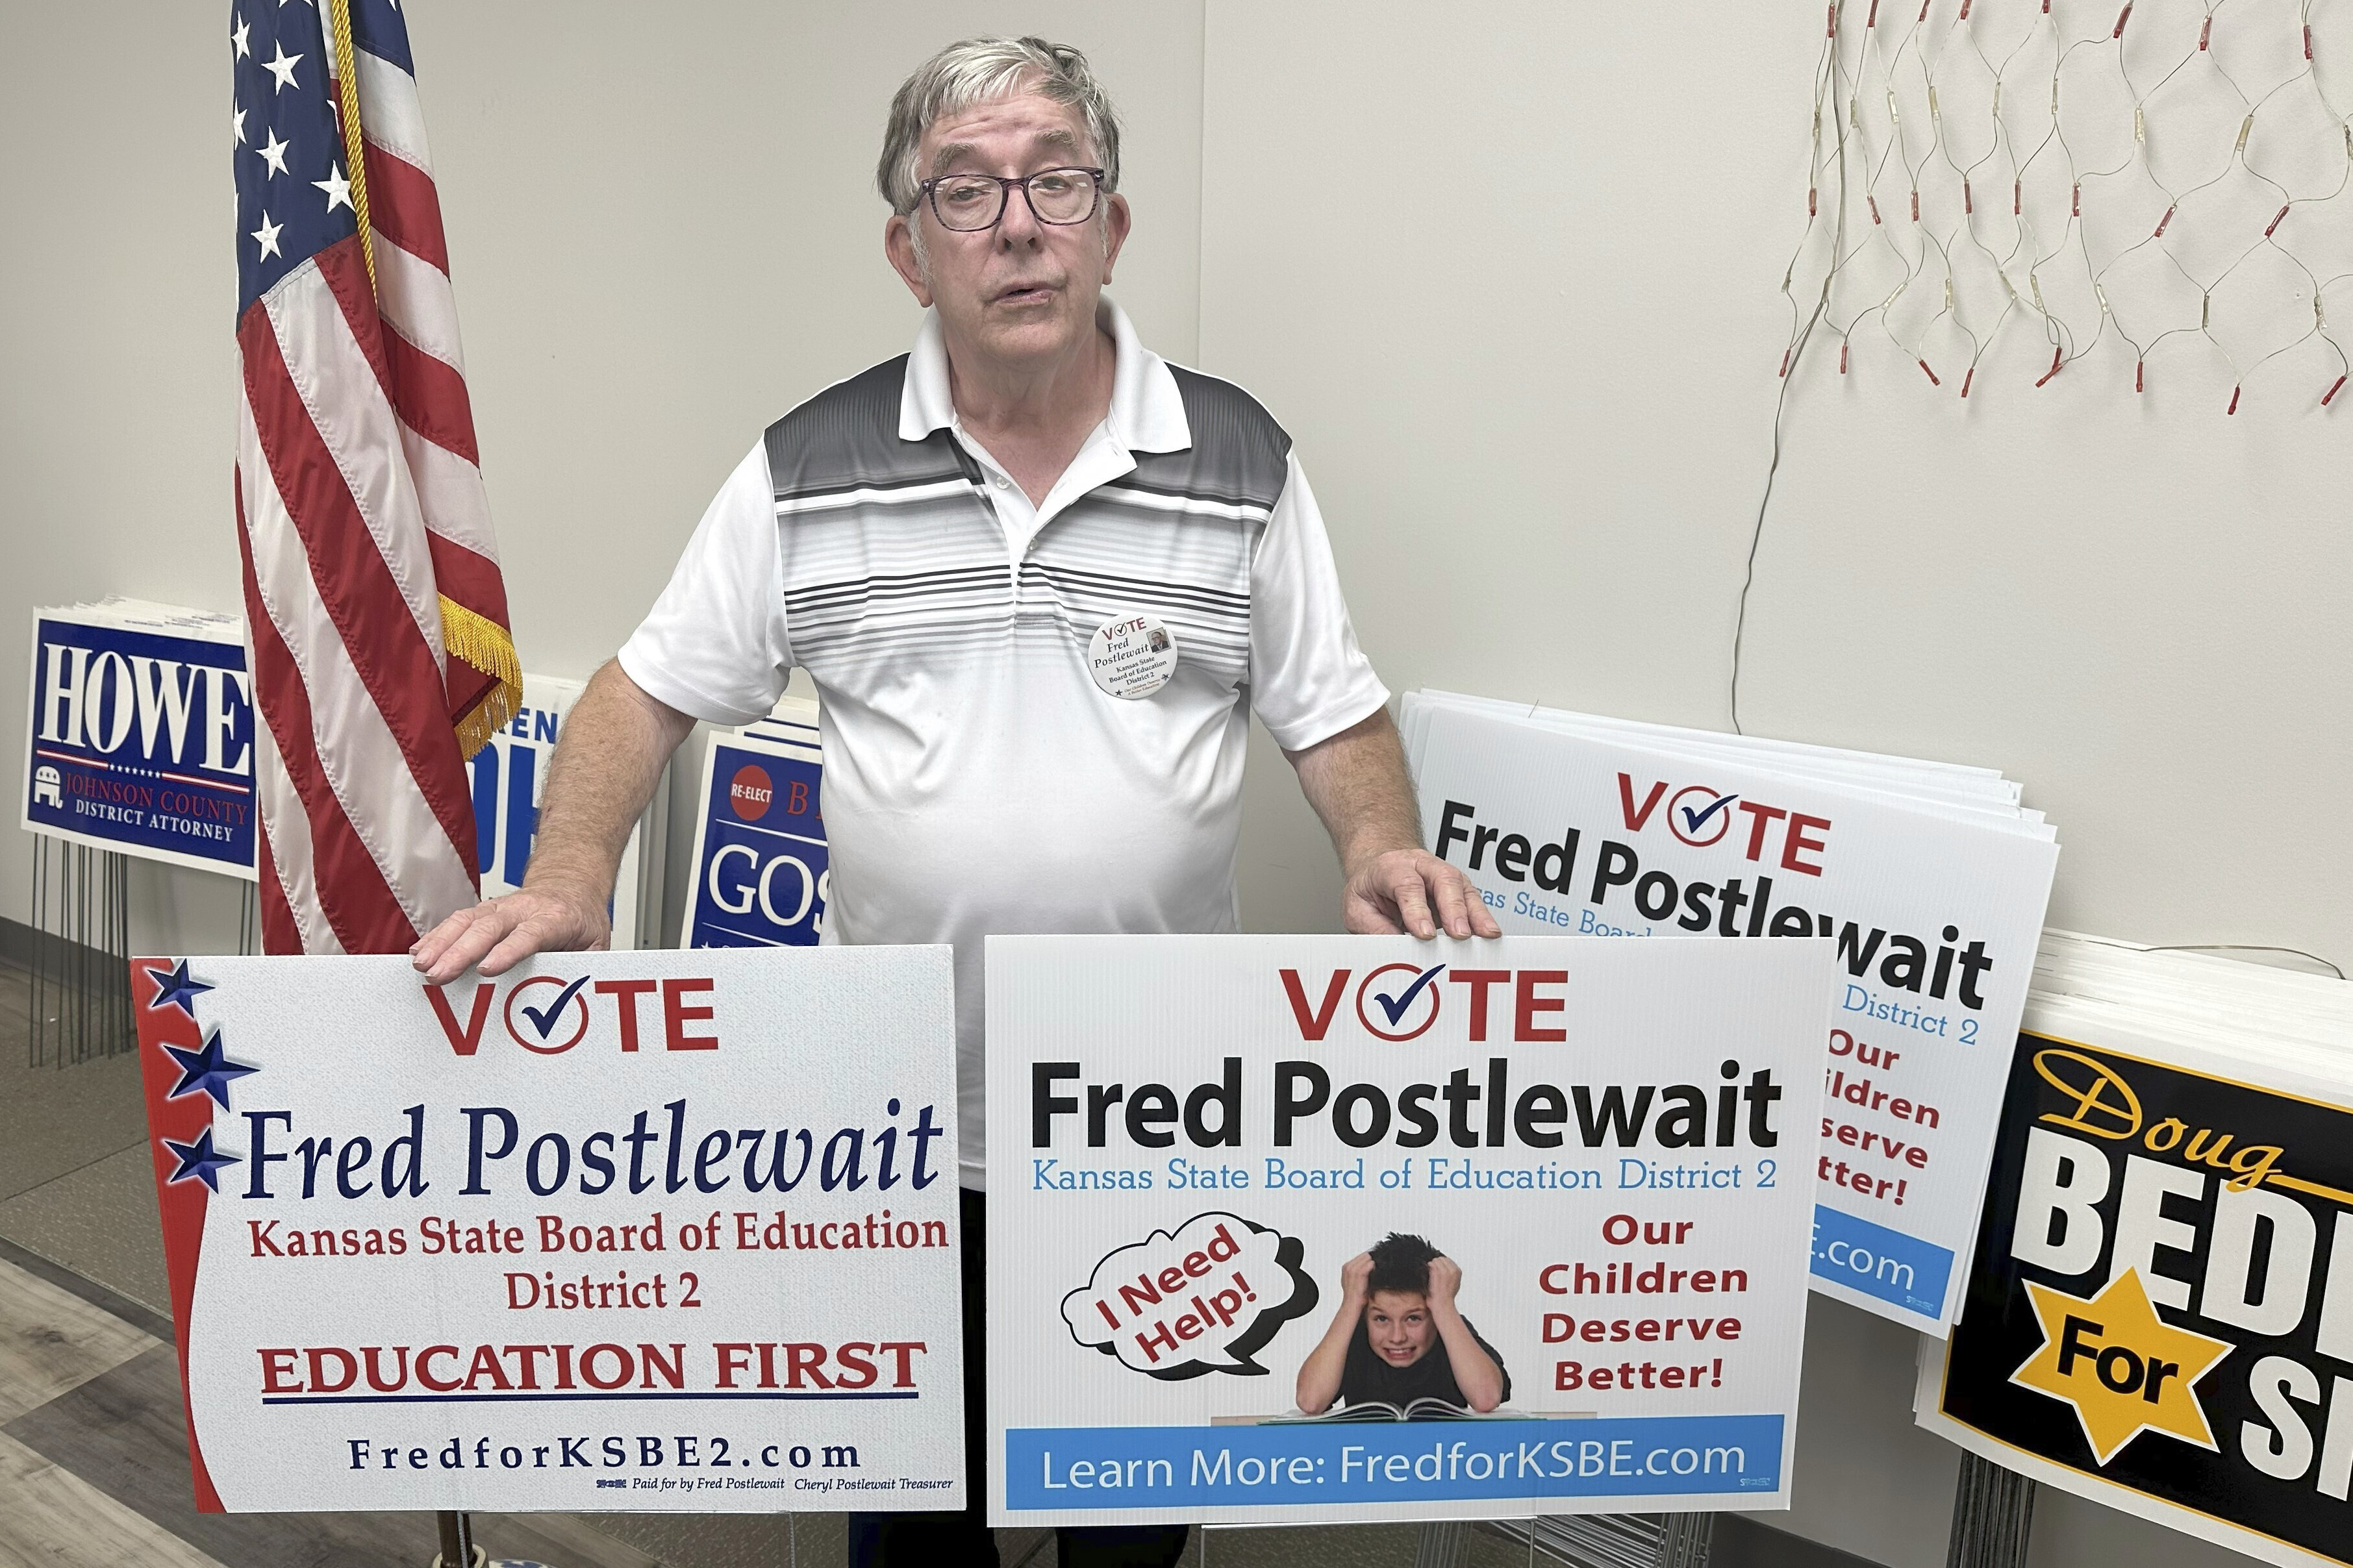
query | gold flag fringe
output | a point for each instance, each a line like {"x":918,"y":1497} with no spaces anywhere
{"x":465,"y":635}
{"x":486,"y":645}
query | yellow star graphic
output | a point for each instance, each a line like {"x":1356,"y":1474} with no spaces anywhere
{"x":2124,"y":1369}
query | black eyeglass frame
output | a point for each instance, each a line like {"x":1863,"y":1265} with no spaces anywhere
{"x":927,"y":192}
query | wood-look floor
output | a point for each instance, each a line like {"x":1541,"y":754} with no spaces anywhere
{"x":94,"y":1461}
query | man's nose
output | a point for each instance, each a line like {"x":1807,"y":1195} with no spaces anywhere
{"x":1020,"y":225}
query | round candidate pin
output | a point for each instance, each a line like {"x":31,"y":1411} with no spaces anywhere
{"x":1132,"y":656}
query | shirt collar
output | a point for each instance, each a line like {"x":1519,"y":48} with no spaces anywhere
{"x":1147,"y":412}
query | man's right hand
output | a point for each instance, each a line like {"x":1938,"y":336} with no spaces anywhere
{"x":608,"y":761}
{"x":499,"y":933}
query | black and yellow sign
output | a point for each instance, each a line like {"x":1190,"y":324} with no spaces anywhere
{"x":2161,"y":1297}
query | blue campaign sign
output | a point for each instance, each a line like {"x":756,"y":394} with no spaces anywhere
{"x":760,"y":865}
{"x":509,"y":779}
{"x":141,"y":738}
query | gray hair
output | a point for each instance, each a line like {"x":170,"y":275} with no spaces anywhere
{"x":982,"y":70}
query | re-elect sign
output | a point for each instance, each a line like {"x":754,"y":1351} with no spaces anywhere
{"x":1290,"y":1229}
{"x":663,"y":1231}
{"x":141,"y":743}
{"x":761,"y":876}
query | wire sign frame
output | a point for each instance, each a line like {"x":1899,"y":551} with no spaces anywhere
{"x":2156,"y":188}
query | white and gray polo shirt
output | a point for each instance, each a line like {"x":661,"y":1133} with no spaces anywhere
{"x":977,"y":778}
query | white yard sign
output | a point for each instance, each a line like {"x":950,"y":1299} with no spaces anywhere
{"x":613,"y":1231}
{"x":1291,"y":1229}
{"x":1934,"y":906}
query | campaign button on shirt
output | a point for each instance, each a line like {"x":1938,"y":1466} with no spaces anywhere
{"x":1132,"y":656}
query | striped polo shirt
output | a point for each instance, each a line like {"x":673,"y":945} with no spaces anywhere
{"x":977,"y":778}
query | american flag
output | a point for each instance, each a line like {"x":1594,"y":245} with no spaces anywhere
{"x":374,"y":604}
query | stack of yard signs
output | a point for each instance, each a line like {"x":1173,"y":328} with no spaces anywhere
{"x":1932,"y":878}
{"x":2159,"y":1311}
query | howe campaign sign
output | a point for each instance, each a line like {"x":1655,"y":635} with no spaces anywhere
{"x":2159,"y":1316}
{"x":1288,"y":1229}
{"x":141,"y":734}
{"x":1930,"y":881}
{"x":509,"y":779}
{"x":628,"y":1231}
{"x":760,"y":869}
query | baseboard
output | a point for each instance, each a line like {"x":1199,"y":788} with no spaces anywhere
{"x":20,"y":944}
{"x":112,"y":1302}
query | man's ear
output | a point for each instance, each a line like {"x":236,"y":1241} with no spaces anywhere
{"x":899,"y":250}
{"x":1117,"y":220}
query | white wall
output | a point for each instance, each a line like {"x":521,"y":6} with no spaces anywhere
{"x":1508,"y":276}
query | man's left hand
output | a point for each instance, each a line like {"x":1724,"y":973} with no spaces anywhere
{"x":1414,"y":891}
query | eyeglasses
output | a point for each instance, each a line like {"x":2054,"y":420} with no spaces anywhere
{"x":968,"y":203}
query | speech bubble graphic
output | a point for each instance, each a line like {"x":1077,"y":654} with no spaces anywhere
{"x":1206,"y":1297}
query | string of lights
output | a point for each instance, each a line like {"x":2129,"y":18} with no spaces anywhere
{"x":2149,"y":181}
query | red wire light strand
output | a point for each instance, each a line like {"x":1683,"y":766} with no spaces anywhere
{"x":1930,"y":111}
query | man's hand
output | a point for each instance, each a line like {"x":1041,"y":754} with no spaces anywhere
{"x":1445,"y":1280}
{"x":499,"y":933}
{"x":607,"y":763}
{"x":1357,"y":782}
{"x":1414,"y":891}
{"x":1353,"y":1275}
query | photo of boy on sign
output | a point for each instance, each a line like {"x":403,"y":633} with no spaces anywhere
{"x":1397,"y":1337}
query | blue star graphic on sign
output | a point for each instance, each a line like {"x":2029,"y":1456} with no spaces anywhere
{"x":199,"y":1161}
{"x":174,"y":989}
{"x":207,"y":1071}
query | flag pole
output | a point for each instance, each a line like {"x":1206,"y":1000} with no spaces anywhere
{"x":458,"y":1548}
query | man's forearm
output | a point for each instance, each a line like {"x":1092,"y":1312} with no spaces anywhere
{"x":1356,"y":780}
{"x":615,"y":743}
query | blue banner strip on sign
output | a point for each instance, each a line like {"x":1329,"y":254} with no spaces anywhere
{"x":1417,"y":1461}
{"x":1880,"y":1262}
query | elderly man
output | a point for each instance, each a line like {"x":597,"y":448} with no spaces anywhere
{"x":1040,"y":578}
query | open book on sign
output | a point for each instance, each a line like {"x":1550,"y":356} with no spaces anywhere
{"x":1381,"y":1410}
